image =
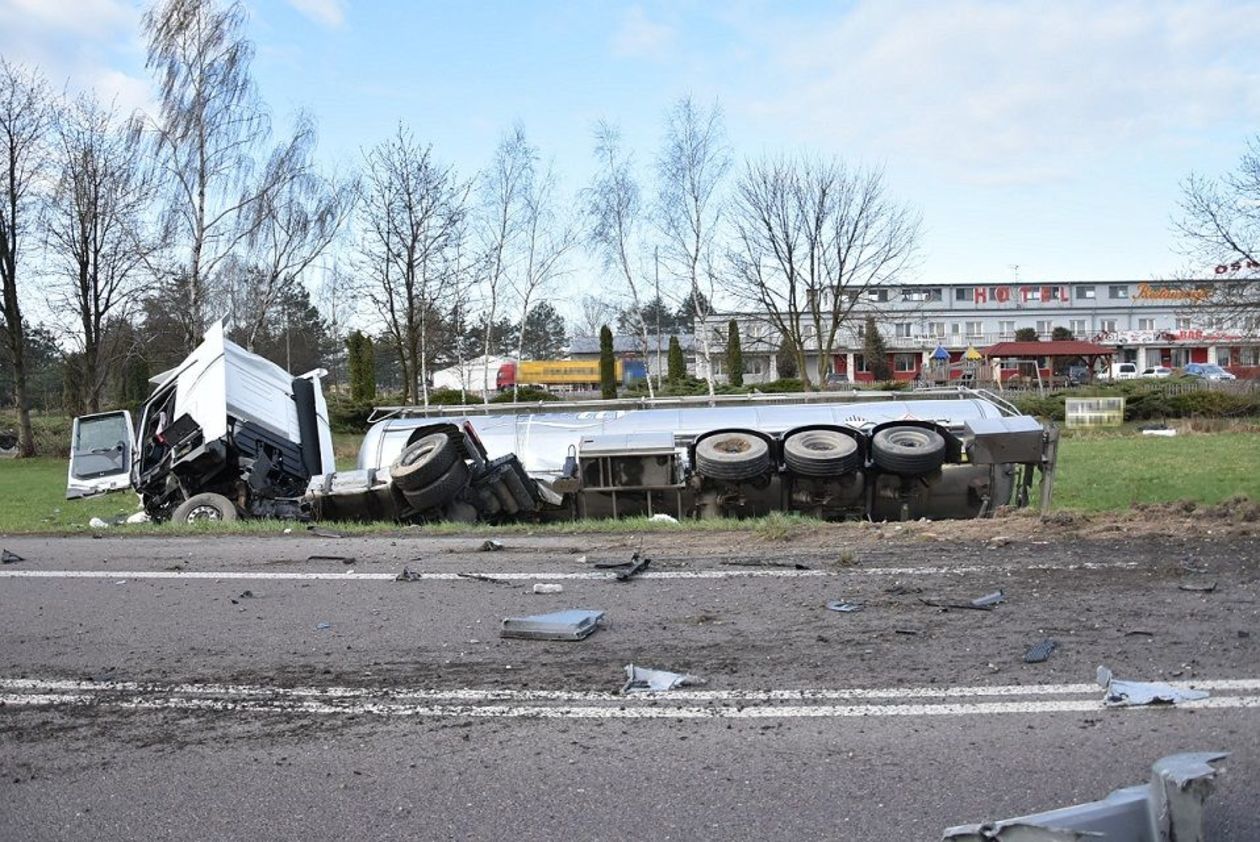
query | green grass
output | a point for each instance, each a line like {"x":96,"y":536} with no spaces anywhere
{"x":1097,"y":472}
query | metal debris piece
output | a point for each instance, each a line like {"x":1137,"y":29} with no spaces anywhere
{"x":763,"y":562}
{"x":481,"y":577}
{"x":548,"y":587}
{"x":1039,"y":652}
{"x":1207,"y":587}
{"x":1169,"y":807}
{"x":981,"y":603}
{"x":344,"y":559}
{"x":636,"y":566}
{"x":491,"y":546}
{"x":1122,"y":693}
{"x":408,"y":575}
{"x":322,"y":533}
{"x":7,"y":557}
{"x":575,"y":624}
{"x":644,"y":680}
{"x":844,"y":607}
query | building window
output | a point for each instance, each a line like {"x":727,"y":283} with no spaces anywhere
{"x":954,"y":328}
{"x":1249,"y":356}
{"x":920,"y":294}
{"x":1117,"y":291}
{"x":877,"y":294}
{"x":905,"y":330}
{"x":1044,"y":328}
{"x":1107,"y":325}
{"x":964,"y":294}
{"x":1146,"y":324}
{"x":859,"y":362}
{"x":1084,"y":293}
{"x":1032,"y":294}
{"x":975,"y":330}
{"x":936,"y":329}
{"x":905,"y":362}
{"x":1077,"y":326}
{"x":1006,"y":331}
{"x":1183,"y":324}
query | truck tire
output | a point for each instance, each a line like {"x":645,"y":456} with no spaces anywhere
{"x":732,"y":456}
{"x":820,"y":453}
{"x":442,"y":491}
{"x":908,"y":451}
{"x":206,"y":506}
{"x":424,"y":461}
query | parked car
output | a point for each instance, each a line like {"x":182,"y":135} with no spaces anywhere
{"x":1207,"y":371}
{"x":1120,"y":371}
{"x":1157,"y":371}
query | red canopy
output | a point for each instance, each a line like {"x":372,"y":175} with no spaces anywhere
{"x":1063,"y":348}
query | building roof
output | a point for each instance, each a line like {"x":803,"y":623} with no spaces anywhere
{"x":626,"y":343}
{"x":1063,"y":348}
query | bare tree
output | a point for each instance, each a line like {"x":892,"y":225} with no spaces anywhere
{"x":97,"y":228}
{"x":547,"y":238}
{"x":615,"y":214}
{"x":690,"y":169}
{"x":1220,"y":228}
{"x":499,"y":222}
{"x":595,"y":311}
{"x":811,"y":237}
{"x":26,"y":118}
{"x":210,"y":128}
{"x":289,"y":226}
{"x":411,"y":218}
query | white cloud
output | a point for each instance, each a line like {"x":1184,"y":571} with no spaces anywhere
{"x":81,"y":17}
{"x":1012,"y":92}
{"x":330,"y":13}
{"x":639,"y":36}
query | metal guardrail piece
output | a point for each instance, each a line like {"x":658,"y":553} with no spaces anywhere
{"x":1168,"y":809}
{"x":699,"y":401}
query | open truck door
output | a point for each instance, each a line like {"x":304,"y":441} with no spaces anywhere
{"x":101,"y":447}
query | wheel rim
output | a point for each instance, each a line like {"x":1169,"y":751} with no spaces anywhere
{"x":204,"y":512}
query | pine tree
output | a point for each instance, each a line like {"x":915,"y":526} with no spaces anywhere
{"x":876,"y":352}
{"x":677,"y":365}
{"x":362,"y":366}
{"x":607,"y":364}
{"x":734,"y":355}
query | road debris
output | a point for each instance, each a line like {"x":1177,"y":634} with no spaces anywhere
{"x":408,"y":575}
{"x":1166,"y":432}
{"x":906,"y":631}
{"x":97,"y":523}
{"x":636,"y":566}
{"x":574,"y":624}
{"x":1039,"y":652}
{"x":661,"y":517}
{"x":344,"y":559}
{"x":323,"y":626}
{"x":548,"y":587}
{"x":1206,"y":587}
{"x":320,"y":532}
{"x":981,"y":603}
{"x":481,"y":577}
{"x":998,"y":541}
{"x":581,"y":559}
{"x":763,"y":562}
{"x":1169,"y":807}
{"x":1139,"y":633}
{"x":7,"y":557}
{"x":1126,"y":693}
{"x":644,"y":680}
{"x":844,"y":607}
{"x":490,"y":546}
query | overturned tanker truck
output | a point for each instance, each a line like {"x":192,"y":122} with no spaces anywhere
{"x":228,"y":434}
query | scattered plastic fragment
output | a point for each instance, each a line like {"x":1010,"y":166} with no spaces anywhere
{"x":1121,"y":693}
{"x":844,"y":607}
{"x":981,"y":603}
{"x":322,"y":533}
{"x":1207,"y":587}
{"x":490,"y":545}
{"x":247,"y":594}
{"x":1039,"y":652}
{"x":97,"y":523}
{"x":661,"y":517}
{"x":548,"y":587}
{"x":644,"y":680}
{"x":906,"y":631}
{"x":7,"y":557}
{"x":1166,"y":433}
{"x":762,"y":562}
{"x":581,"y":559}
{"x":636,"y":566}
{"x":138,"y":517}
{"x":574,"y":624}
{"x":408,"y":575}
{"x":323,"y":626}
{"x":481,"y":577}
{"x":344,"y":559}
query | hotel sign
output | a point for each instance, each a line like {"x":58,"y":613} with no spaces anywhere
{"x":1150,"y":293}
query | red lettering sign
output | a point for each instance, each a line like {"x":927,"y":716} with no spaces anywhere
{"x":1003,"y":294}
{"x":981,"y":295}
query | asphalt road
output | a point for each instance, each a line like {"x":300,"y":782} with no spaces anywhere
{"x":230,"y":688}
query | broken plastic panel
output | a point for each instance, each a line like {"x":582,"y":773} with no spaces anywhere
{"x":644,"y":680}
{"x":574,"y":624}
{"x":1121,"y":693}
{"x":1170,"y":807}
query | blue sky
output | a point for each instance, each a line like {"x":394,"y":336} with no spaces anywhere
{"x":1049,"y":135}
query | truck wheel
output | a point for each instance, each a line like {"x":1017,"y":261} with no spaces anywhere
{"x":820,"y":453}
{"x":908,"y":451}
{"x":732,"y":456}
{"x":424,"y":461}
{"x":441,"y":491}
{"x":207,"y":506}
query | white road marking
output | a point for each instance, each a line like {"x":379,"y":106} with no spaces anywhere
{"x":516,"y":575}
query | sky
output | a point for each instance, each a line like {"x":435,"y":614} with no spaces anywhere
{"x":1051,"y":136}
